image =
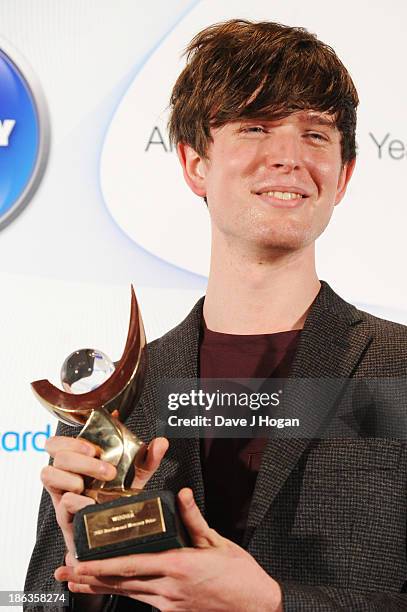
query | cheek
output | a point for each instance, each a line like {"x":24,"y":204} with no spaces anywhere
{"x":234,"y":164}
{"x":326,"y":174}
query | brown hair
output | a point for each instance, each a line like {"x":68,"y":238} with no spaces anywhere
{"x":241,"y":69}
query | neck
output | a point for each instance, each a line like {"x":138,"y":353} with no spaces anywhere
{"x":259,"y":293}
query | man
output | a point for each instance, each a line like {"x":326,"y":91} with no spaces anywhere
{"x":264,"y":119}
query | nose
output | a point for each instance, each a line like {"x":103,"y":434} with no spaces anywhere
{"x":283,"y":151}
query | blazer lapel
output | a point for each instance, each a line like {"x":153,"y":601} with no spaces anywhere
{"x":175,"y":356}
{"x":331,"y":345}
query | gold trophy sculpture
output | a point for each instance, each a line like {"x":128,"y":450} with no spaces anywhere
{"x":124,"y":521}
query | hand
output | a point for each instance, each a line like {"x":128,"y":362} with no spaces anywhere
{"x":76,"y":458}
{"x":216,"y":575}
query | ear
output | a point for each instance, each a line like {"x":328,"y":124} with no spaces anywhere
{"x":344,"y":178}
{"x":193,"y":167}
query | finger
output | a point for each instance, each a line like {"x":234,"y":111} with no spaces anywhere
{"x":202,"y":536}
{"x":86,"y":466}
{"x":156,"y":601}
{"x":69,"y":505}
{"x":65,"y":511}
{"x":149,"y":463}
{"x":70,"y":560}
{"x":55,"y":481}
{"x":148,"y":564}
{"x":68,"y":574}
{"x":54,"y":444}
{"x":154,"y":586}
{"x":91,"y":590}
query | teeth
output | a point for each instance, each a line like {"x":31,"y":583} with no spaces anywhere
{"x":283,"y":195}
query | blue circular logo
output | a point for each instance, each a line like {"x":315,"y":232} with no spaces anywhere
{"x":23,"y":137}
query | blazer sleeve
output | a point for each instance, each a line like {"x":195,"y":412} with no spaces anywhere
{"x":49,"y":549}
{"x":303,"y":598}
{"x":49,"y":553}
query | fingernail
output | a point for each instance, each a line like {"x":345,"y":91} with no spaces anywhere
{"x":188,"y":497}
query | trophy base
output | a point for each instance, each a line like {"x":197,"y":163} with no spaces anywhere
{"x":143,"y":523}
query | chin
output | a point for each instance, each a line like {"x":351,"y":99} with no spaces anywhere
{"x":285,"y":240}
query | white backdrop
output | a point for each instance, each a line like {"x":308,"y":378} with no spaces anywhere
{"x":108,"y":212}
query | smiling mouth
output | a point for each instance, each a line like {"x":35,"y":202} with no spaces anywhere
{"x":282,"y":199}
{"x":283,"y":195}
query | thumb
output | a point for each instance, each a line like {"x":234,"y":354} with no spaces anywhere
{"x":148,"y":462}
{"x":202,"y":536}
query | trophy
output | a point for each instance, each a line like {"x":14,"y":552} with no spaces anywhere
{"x":99,"y":395}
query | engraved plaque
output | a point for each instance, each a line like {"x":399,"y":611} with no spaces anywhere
{"x":125,"y":522}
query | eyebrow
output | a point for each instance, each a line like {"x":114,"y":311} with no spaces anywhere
{"x":319,"y":120}
{"x":310,"y":118}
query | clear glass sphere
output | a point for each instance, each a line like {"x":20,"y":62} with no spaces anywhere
{"x":85,"y":370}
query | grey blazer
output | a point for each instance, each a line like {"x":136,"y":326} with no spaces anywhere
{"x":328,"y":516}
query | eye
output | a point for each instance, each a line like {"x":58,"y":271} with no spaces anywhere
{"x":254,"y":129}
{"x":316,"y":136}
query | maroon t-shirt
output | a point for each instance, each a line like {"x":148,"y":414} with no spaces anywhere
{"x":230,"y":466}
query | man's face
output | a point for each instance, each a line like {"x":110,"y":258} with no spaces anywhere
{"x":271,"y":184}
